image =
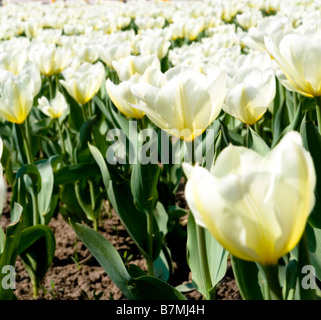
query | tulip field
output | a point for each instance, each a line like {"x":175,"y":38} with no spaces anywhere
{"x":196,"y":125}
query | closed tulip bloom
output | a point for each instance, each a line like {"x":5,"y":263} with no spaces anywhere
{"x":13,"y":61}
{"x":54,"y":108}
{"x":86,"y":53}
{"x":82,"y":84}
{"x":130,"y":65}
{"x":49,"y":59}
{"x":32,"y":71}
{"x":183,"y":101}
{"x":249,"y":94}
{"x":256,"y":207}
{"x":109,"y":53}
{"x":123,"y":98}
{"x":16,"y":98}
{"x":299,"y":59}
{"x":150,"y":45}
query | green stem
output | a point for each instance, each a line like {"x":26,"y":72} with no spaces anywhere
{"x":26,"y":143}
{"x":272,"y":276}
{"x":83,"y":108}
{"x":35,"y":289}
{"x":201,"y":243}
{"x":247,"y":138}
{"x":26,"y":139}
{"x":190,"y":151}
{"x":61,"y":137}
{"x":257,"y":128}
{"x":90,"y":112}
{"x":318,"y":110}
{"x":95,"y":224}
{"x":150,"y":262}
{"x":295,"y":104}
{"x":50,"y":88}
{"x":34,"y":208}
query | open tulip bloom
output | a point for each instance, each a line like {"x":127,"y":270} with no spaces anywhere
{"x":255,"y":206}
{"x":299,"y":58}
{"x":182,"y":101}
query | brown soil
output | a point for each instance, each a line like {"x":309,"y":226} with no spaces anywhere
{"x":76,"y":275}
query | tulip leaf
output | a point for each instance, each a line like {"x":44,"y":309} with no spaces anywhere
{"x":76,"y":118}
{"x":95,"y":152}
{"x":290,"y":286}
{"x":249,"y":279}
{"x":72,"y":173}
{"x":314,"y":247}
{"x":312,"y":142}
{"x":47,"y":198}
{"x":256,"y":143}
{"x":9,"y":254}
{"x":32,"y":171}
{"x":294,"y":125}
{"x":135,"y":285}
{"x":134,"y":220}
{"x":216,"y":255}
{"x":143,"y":182}
{"x":81,"y":142}
{"x":36,"y":249}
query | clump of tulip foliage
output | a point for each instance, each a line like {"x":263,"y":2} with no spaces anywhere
{"x":125,"y":102}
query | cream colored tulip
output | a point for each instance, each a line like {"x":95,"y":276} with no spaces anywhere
{"x":256,"y":207}
{"x":299,"y":59}
{"x":183,"y":101}
{"x":54,"y":108}
{"x":82,"y":84}
{"x":50,"y":59}
{"x":130,"y":65}
{"x":13,"y":61}
{"x":109,"y":53}
{"x":149,"y":45}
{"x":16,"y":98}
{"x":249,"y":94}
{"x":123,"y":98}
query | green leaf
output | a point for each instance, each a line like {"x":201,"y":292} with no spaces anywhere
{"x":32,"y":171}
{"x":143,"y":182}
{"x":256,"y":143}
{"x":76,"y":118}
{"x":216,"y":255}
{"x":102,"y":106}
{"x":9,"y":253}
{"x":36,"y":249}
{"x":139,"y":287}
{"x":134,"y":220}
{"x":248,"y":278}
{"x":312,"y":142}
{"x":82,"y":138}
{"x":294,"y":125}
{"x":314,"y":247}
{"x":73,"y":173}
{"x":290,"y":283}
{"x":101,"y":164}
{"x":46,"y":199}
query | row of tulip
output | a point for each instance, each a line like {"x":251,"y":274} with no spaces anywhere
{"x":236,"y":83}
